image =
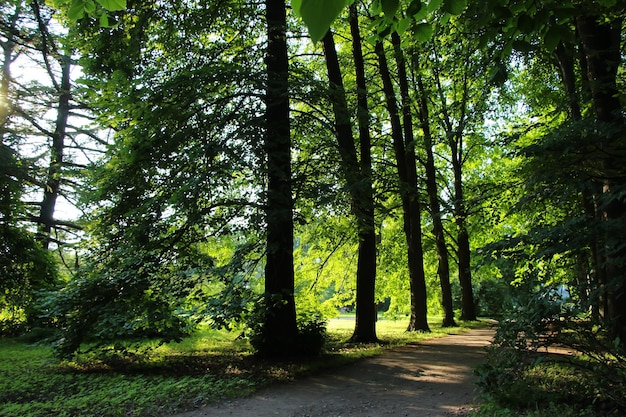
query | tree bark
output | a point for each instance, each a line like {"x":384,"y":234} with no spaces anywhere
{"x":53,"y":182}
{"x":443,"y":267}
{"x":597,"y":279}
{"x":568,"y":76}
{"x":280,"y":330}
{"x":361,"y":193}
{"x":601,"y":44}
{"x":407,"y":175}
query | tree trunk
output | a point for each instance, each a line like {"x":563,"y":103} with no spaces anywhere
{"x":280,"y":331}
{"x":597,"y":279}
{"x":8,"y":56}
{"x":407,"y":175}
{"x":443,"y":267}
{"x":53,"y":182}
{"x":454,"y":129}
{"x":601,"y":44}
{"x":568,"y":76}
{"x":361,"y":193}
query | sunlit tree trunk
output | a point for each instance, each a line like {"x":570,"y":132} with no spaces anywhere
{"x":8,"y":56}
{"x":280,"y":330}
{"x":361,"y":193}
{"x":407,"y":175}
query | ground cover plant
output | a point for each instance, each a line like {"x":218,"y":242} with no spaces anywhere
{"x":552,"y":364}
{"x":206,"y":368}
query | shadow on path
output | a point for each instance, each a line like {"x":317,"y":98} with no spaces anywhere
{"x":432,"y":378}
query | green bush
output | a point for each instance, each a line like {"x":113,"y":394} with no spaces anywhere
{"x":312,"y":334}
{"x":311,"y":337}
{"x":493,"y":297}
{"x":25,"y":269}
{"x":521,"y":373}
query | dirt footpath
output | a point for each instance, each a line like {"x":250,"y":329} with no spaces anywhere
{"x":433,"y":378}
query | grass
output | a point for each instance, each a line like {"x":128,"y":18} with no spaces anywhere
{"x":203,"y":369}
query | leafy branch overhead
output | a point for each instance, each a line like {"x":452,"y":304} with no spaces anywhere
{"x":77,"y":9}
{"x":318,"y":15}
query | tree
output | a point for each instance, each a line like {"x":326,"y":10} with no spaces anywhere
{"x":63,"y":89}
{"x":601,"y":41}
{"x":184,"y":169}
{"x":366,"y":271}
{"x":280,"y":331}
{"x":443,"y":269}
{"x":26,"y":129}
{"x":411,"y":207}
{"x":360,"y":189}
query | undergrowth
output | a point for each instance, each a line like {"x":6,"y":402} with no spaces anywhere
{"x":206,"y":368}
{"x":558,"y":364}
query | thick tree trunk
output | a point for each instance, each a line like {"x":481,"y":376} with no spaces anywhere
{"x":53,"y":182}
{"x":280,"y":330}
{"x":590,"y":282}
{"x":601,"y":44}
{"x":361,"y":193}
{"x":468,"y":307}
{"x":443,"y":267}
{"x":407,"y":175}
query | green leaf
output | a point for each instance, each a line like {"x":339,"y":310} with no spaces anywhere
{"x":76,"y":10}
{"x":90,"y":7}
{"x":522,"y":46}
{"x":104,"y":20}
{"x":319,"y":14}
{"x":376,"y":8}
{"x":414,"y":7}
{"x":423,"y":32}
{"x":552,"y":38}
{"x":525,"y":23}
{"x":113,"y":5}
{"x":455,"y":7}
{"x":498,"y":75}
{"x":403,"y":25}
{"x":390,"y":7}
{"x":295,"y":6}
{"x":434,"y":5}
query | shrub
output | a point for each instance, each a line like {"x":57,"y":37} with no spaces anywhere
{"x":520,"y":372}
{"x":311,"y":336}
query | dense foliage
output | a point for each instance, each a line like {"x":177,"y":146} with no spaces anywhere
{"x":424,"y":157}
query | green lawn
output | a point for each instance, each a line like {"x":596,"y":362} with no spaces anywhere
{"x":208,"y":367}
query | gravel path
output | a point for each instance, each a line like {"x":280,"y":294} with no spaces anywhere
{"x":432,"y":378}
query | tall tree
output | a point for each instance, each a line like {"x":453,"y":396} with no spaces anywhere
{"x":443,"y":266}
{"x":361,"y":193}
{"x":407,"y":175}
{"x":601,"y":40}
{"x":280,"y":330}
{"x":455,"y":121}
{"x":63,"y":89}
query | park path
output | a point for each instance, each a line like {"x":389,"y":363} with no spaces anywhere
{"x":432,"y":378}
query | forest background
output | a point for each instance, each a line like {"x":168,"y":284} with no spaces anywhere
{"x":418,"y":158}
